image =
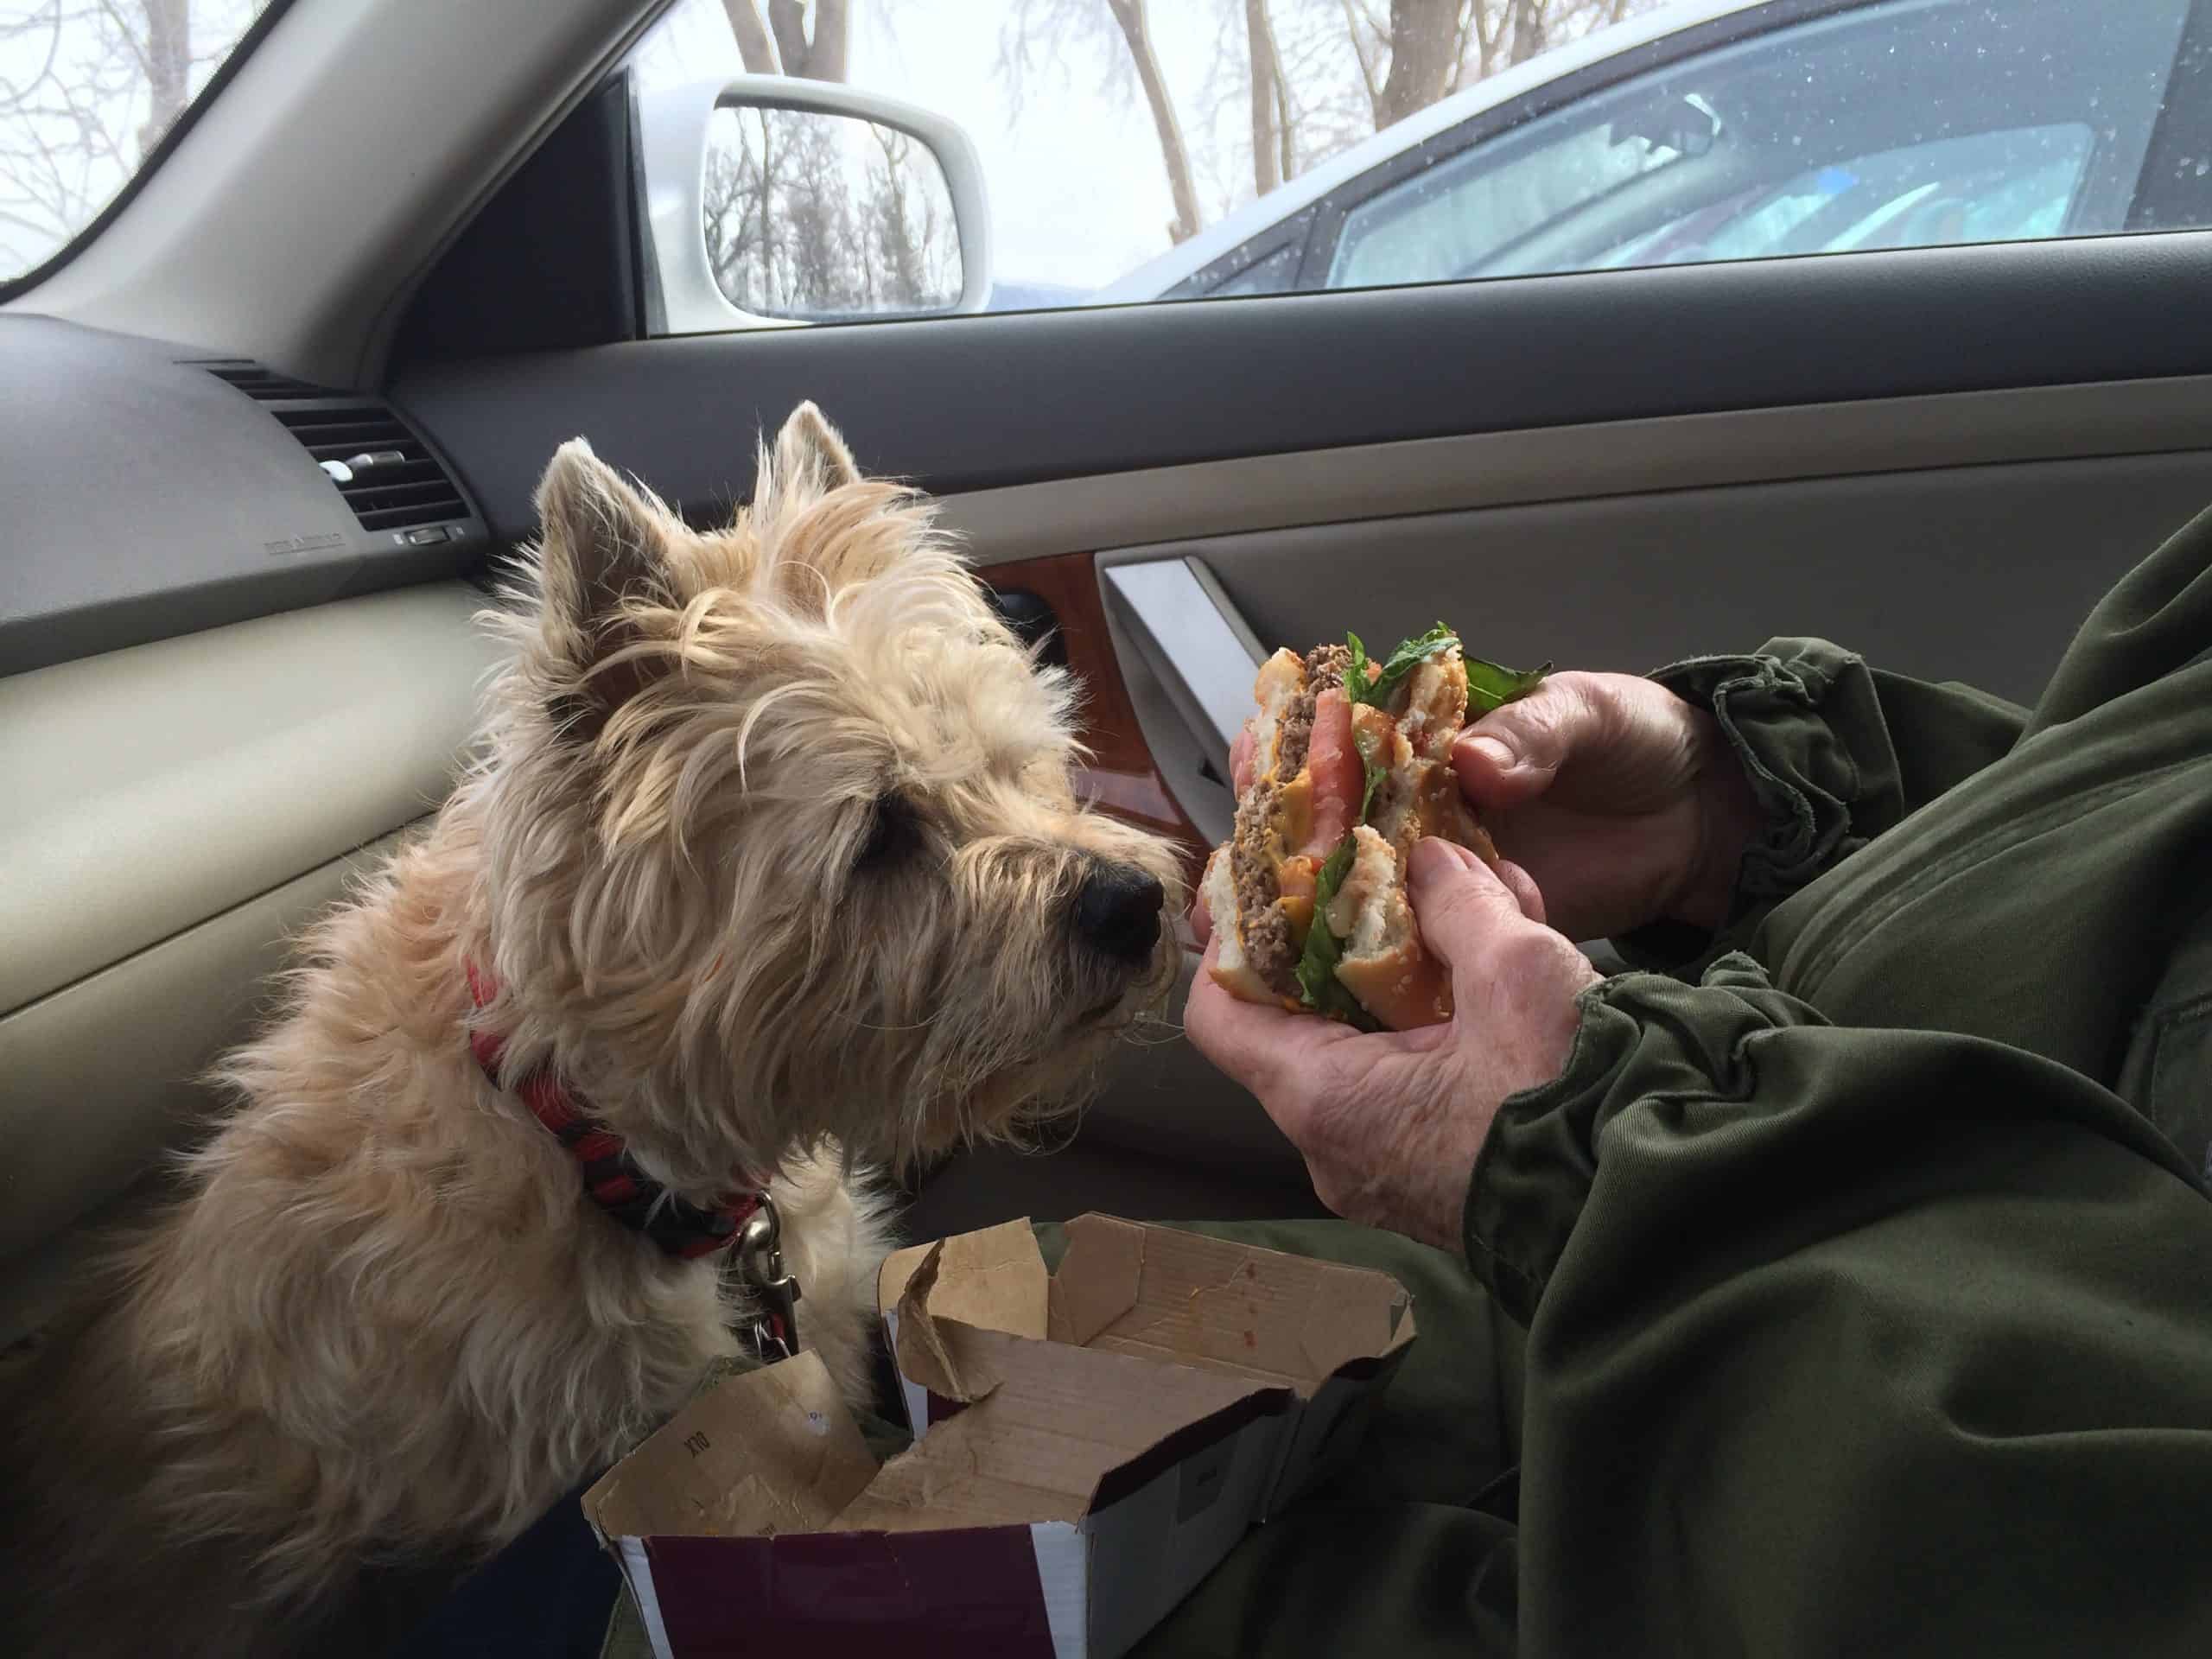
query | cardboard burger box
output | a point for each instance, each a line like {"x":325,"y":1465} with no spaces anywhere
{"x":1089,"y":1444}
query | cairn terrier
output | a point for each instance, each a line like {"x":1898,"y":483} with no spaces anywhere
{"x":771,"y":871}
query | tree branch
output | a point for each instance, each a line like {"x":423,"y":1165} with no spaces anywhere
{"x":1363,"y":56}
{"x":1267,"y":101}
{"x":1129,"y":15}
{"x":754,"y":49}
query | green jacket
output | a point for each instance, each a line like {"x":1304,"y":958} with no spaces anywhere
{"x":1867,"y":1271}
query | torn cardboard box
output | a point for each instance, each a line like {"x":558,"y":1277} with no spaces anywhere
{"x":1092,"y":1458}
{"x":1330,"y":1334}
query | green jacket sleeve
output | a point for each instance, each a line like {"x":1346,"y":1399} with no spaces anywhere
{"x":1836,"y":752}
{"x":1846,"y":1341}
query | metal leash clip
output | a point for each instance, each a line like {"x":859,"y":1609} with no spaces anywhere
{"x":760,"y":1263}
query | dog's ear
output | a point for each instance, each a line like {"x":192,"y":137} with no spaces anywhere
{"x":812,"y":458}
{"x":601,"y":543}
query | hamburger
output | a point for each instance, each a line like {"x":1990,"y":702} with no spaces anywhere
{"x":1345,"y":765}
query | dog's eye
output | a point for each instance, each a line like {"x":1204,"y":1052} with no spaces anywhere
{"x":895,"y":831}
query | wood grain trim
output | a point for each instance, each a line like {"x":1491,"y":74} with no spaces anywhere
{"x":1120,"y":775}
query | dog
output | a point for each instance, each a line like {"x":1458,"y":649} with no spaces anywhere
{"x":771,"y":874}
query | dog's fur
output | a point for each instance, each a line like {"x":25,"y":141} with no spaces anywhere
{"x":772,"y":854}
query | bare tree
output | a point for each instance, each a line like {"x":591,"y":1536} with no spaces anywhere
{"x":1422,"y":50}
{"x":818,"y":55}
{"x":793,"y":229}
{"x":1291,"y":82}
{"x":755,"y":48}
{"x":1136,"y":33}
{"x":783,"y":43}
{"x":1043,"y":33}
{"x":87,"y":88}
{"x":1274,"y":158}
{"x":1424,"y":38}
{"x":1531,"y":28}
{"x":167,"y":61}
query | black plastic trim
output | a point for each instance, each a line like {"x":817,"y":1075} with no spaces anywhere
{"x":187,"y":118}
{"x":972,"y":402}
{"x":2174,"y":190}
{"x":552,"y":260}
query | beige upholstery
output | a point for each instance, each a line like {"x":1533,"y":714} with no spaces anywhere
{"x":169,"y":818}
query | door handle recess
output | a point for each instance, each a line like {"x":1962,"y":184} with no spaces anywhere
{"x":1193,"y":640}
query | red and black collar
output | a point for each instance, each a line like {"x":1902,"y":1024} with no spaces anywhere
{"x":612,"y":1177}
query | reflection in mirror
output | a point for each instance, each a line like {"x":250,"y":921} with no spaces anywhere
{"x":827,"y":218}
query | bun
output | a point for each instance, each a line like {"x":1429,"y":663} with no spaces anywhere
{"x":1350,"y":767}
{"x":1385,"y":963}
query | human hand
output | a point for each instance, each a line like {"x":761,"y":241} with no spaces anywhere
{"x":1389,"y":1123}
{"x":1624,"y":803}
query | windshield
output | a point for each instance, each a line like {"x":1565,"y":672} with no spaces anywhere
{"x":88,"y":90}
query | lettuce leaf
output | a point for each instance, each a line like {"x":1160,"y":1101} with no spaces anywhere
{"x":1317,"y":968}
{"x":1373,"y":757}
{"x":1409,"y":655}
{"x":1377,"y":771}
{"x":1490,"y":686}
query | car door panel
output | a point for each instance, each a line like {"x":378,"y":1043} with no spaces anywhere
{"x":975,"y":403}
{"x":1609,"y":470}
{"x":1585,"y":462}
{"x":1909,"y":566}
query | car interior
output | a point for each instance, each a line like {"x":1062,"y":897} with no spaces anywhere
{"x":233,"y":675}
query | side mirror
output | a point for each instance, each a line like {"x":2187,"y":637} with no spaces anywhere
{"x":775,"y":201}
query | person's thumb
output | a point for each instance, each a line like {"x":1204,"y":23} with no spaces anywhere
{"x":1458,"y":902}
{"x":1512,"y":753}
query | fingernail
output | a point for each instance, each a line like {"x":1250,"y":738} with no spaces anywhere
{"x":1492,"y":750}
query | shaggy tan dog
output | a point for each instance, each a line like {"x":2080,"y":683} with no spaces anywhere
{"x":773,"y":862}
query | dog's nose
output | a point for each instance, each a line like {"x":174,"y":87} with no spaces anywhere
{"x":1117,"y":910}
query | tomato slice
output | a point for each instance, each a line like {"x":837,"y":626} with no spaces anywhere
{"x":1339,"y":777}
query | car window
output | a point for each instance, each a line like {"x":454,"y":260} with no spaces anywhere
{"x":1912,"y":113}
{"x":87,"y":91}
{"x":1997,"y":187}
{"x":1442,"y":224}
{"x":1135,"y":150}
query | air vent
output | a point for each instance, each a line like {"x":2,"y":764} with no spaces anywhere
{"x":382,"y":469}
{"x":266,"y":385}
{"x":387,"y":473}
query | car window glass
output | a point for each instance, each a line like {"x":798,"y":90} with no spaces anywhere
{"x":1999,"y":187}
{"x":86,"y":93}
{"x":1914,"y":129}
{"x":1135,"y":150}
{"x":1444,"y":223}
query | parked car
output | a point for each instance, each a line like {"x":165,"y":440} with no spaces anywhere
{"x":1725,"y":129}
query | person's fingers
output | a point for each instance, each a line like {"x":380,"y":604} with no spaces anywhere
{"x":1201,"y":920}
{"x":1524,"y":887}
{"x":1459,"y":903}
{"x":1240,"y":761}
{"x":1511,"y":754}
{"x":1263,"y":1048}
